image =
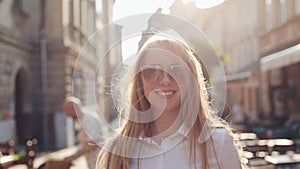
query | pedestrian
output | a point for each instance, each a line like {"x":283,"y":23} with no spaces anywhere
{"x":238,"y":113}
{"x":90,"y":133}
{"x":170,"y":122}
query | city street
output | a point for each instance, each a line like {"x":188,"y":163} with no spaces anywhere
{"x":66,"y":77}
{"x":79,"y":163}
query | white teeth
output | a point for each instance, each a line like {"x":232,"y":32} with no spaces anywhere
{"x":165,"y":93}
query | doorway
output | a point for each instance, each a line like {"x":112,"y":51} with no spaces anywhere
{"x":22,"y":115}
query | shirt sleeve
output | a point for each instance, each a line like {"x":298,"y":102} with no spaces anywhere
{"x":226,"y":150}
{"x":93,"y":127}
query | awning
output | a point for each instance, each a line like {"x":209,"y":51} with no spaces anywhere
{"x":281,"y":59}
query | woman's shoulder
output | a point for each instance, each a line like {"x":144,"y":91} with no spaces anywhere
{"x":224,"y":145}
{"x":220,"y":132}
{"x":221,"y":136}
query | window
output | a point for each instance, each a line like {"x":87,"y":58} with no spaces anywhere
{"x":297,"y":6}
{"x":268,"y":14}
{"x":99,"y":6}
{"x":77,"y":13}
{"x":84,"y":16}
{"x":18,"y":13}
{"x":71,"y":12}
{"x":283,"y":12}
{"x":17,"y":4}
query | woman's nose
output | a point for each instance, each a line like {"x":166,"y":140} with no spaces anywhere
{"x":167,"y":78}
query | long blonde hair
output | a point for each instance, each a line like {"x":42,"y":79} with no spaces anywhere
{"x":205,"y":117}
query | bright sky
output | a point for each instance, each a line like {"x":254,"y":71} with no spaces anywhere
{"x":124,"y":8}
{"x":204,"y":4}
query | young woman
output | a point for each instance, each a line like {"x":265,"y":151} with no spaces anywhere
{"x":169,"y":121}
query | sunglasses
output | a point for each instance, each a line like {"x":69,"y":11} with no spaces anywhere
{"x":154,"y":74}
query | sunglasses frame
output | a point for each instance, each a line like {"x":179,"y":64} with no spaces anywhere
{"x":160,"y":73}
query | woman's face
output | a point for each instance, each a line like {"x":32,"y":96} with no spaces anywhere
{"x":164,"y":77}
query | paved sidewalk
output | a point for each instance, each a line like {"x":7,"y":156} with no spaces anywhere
{"x":79,"y":163}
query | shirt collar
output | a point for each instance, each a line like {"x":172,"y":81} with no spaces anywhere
{"x":182,"y":131}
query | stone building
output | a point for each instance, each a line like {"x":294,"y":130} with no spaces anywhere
{"x":280,"y":58}
{"x":234,"y":37}
{"x":254,"y":34}
{"x":40,"y":41}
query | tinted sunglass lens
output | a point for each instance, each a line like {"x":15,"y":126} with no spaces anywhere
{"x":177,"y":73}
{"x":151,"y":75}
{"x":155,"y":75}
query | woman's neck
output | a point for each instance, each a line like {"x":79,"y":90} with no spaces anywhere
{"x":165,"y":122}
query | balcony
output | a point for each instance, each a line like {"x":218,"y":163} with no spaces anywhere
{"x":281,"y":37}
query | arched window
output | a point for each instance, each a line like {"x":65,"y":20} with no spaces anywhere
{"x":18,"y":12}
{"x":17,"y":4}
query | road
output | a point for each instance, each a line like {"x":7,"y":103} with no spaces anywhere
{"x":79,"y":163}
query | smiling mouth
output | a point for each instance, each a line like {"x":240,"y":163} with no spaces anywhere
{"x":165,"y":94}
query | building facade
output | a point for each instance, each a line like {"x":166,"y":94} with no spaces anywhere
{"x":254,"y":34}
{"x":280,"y":58}
{"x":238,"y":40}
{"x":40,"y":42}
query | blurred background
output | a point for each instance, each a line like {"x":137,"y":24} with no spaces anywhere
{"x":258,"y":42}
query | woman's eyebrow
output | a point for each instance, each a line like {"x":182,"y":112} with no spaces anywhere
{"x":149,"y":65}
{"x":175,"y":64}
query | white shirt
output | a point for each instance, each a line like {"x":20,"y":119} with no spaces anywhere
{"x":173,"y":153}
{"x":93,"y":131}
{"x":94,"y":126}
